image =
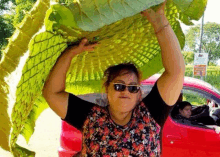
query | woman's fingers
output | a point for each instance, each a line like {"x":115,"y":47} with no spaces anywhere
{"x":162,"y":7}
{"x":83,"y":43}
{"x":147,"y":12}
{"x":85,"y":46}
{"x":150,"y":11}
{"x":90,"y":47}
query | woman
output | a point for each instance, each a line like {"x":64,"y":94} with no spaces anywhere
{"x":128,"y":125}
{"x":185,"y":113}
{"x":185,"y":110}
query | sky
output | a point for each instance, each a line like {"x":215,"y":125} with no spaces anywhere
{"x":212,"y":14}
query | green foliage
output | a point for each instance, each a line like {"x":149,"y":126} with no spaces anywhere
{"x":188,"y":57}
{"x":212,"y":64}
{"x":4,"y":5}
{"x":194,"y":99}
{"x":211,"y":79}
{"x":59,"y":16}
{"x":11,"y":19}
{"x":6,"y":27}
{"x":10,"y":71}
{"x":5,"y":31}
{"x":22,"y":7}
{"x":190,"y":10}
{"x":28,"y":129}
{"x":213,"y":75}
{"x":93,"y":15}
{"x":34,"y":65}
{"x":210,"y":41}
{"x":19,"y":151}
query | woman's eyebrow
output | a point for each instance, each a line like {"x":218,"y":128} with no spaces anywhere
{"x":131,"y":83}
{"x":121,"y":81}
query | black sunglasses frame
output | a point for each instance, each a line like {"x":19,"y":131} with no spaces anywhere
{"x":122,"y":87}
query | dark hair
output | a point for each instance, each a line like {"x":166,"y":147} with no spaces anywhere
{"x":113,"y":71}
{"x":183,"y":104}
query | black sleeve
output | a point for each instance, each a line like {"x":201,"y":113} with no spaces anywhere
{"x":77,"y":111}
{"x":158,"y":109}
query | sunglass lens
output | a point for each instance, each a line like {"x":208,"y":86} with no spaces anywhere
{"x":133,"y":89}
{"x":119,"y":87}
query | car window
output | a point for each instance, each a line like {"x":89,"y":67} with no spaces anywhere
{"x":216,"y":90}
{"x":204,"y":105}
{"x":194,"y":97}
{"x":146,"y":90}
{"x":198,"y":97}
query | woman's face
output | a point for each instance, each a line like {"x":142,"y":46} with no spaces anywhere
{"x":123,"y":101}
{"x":186,"y":112}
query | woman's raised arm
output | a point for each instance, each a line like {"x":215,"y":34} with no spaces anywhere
{"x":171,"y":81}
{"x":54,"y":88}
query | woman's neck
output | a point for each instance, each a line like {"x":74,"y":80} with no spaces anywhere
{"x":120,"y":118}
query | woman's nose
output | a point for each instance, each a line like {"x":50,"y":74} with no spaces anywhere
{"x":126,"y":89}
{"x":190,"y":112}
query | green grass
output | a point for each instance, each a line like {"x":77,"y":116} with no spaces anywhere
{"x":194,"y":99}
{"x":213,"y":78}
{"x":213,"y":75}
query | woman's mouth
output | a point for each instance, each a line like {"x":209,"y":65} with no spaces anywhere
{"x":124,"y":97}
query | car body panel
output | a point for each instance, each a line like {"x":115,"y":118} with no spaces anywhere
{"x":182,"y":140}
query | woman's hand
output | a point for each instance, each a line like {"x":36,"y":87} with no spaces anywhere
{"x":217,"y":130}
{"x":83,"y":46}
{"x":54,"y":88}
{"x":157,"y":19}
{"x":215,"y":127}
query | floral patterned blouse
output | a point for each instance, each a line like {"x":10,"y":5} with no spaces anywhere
{"x":102,"y":137}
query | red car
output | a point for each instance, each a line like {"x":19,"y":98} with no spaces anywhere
{"x":179,"y":139}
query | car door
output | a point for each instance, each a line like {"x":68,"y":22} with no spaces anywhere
{"x":185,"y":140}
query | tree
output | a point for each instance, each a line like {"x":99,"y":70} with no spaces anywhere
{"x":22,"y":7}
{"x":6,"y":30}
{"x":210,"y":41}
{"x":10,"y":17}
{"x":6,"y":27}
{"x":188,"y":57}
{"x":4,"y":5}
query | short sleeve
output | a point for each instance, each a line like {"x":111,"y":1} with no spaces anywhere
{"x":158,"y":109}
{"x":77,"y":111}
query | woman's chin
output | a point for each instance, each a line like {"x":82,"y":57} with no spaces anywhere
{"x":125,"y":107}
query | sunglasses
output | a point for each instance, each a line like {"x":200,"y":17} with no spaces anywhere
{"x":131,"y":88}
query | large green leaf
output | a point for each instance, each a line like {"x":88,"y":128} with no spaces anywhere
{"x":91,"y":15}
{"x":190,"y":10}
{"x":28,"y":129}
{"x":33,"y":77}
{"x":124,"y":36}
{"x":19,"y":151}
{"x":9,"y":65}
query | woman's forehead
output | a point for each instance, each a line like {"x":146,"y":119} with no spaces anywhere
{"x":126,"y":77}
{"x":188,"y":107}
